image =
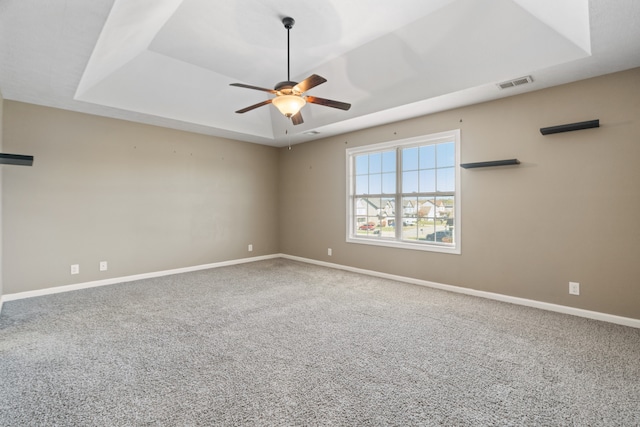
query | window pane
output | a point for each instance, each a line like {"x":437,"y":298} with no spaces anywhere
{"x":362,"y":184}
{"x":410,"y":229}
{"x":370,"y":211}
{"x":361,"y":210}
{"x":427,"y":229}
{"x":410,"y":159}
{"x":389,"y":161}
{"x":368,"y":227}
{"x":375,"y":163}
{"x":446,"y":209}
{"x":388,"y":230}
{"x":426,"y":208}
{"x":387,"y":218}
{"x":443,"y":230}
{"x":428,"y":181}
{"x":375,"y":183}
{"x":426,"y":213}
{"x":389,"y":183}
{"x":387,"y":206}
{"x":410,"y":182}
{"x":446,"y":154}
{"x":362,"y":164}
{"x":409,"y":207}
{"x":446,"y":179}
{"x":428,"y":157}
{"x":374,"y":206}
{"x":441,"y":235}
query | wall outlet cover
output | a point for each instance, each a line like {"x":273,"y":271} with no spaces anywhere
{"x":574,"y":288}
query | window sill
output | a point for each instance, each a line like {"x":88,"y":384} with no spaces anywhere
{"x":428,"y":247}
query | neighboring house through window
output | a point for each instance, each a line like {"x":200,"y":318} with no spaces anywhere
{"x":421,"y":176}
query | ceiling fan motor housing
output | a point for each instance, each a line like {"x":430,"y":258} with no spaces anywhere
{"x":285,"y":87}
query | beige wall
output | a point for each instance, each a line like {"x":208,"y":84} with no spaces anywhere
{"x":142,"y":198}
{"x":569,"y":212}
{"x":149,"y":199}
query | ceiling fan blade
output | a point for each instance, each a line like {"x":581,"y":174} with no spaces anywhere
{"x":259,"y":104}
{"x":297,"y":118}
{"x":253,"y":87}
{"x":308,"y":83}
{"x":328,"y":103}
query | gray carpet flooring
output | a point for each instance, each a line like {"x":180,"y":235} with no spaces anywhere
{"x":284,"y":343}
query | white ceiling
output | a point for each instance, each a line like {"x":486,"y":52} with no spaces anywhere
{"x":170,"y":62}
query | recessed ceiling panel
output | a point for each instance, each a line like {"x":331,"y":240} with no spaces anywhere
{"x":246,"y":39}
{"x":463,"y":45}
{"x":170,"y":62}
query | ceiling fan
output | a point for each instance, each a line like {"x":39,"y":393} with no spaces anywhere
{"x":289,"y":97}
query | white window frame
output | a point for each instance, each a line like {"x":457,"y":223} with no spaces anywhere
{"x":351,"y":153}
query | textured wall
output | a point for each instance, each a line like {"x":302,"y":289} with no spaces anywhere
{"x":569,"y":212}
{"x":142,"y":198}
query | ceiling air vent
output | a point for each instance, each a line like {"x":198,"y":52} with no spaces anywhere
{"x":515,"y":82}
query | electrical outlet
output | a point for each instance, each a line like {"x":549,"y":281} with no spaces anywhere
{"x":75,"y":268}
{"x":103,"y":265}
{"x":574,"y":288}
{"x":329,"y":252}
{"x":250,"y":248}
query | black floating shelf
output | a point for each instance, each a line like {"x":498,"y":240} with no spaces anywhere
{"x":490,"y":164}
{"x":15,"y":159}
{"x":570,"y":127}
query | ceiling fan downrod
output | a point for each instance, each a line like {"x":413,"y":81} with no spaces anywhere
{"x":288,"y":24}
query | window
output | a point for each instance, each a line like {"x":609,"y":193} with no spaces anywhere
{"x":406,"y":193}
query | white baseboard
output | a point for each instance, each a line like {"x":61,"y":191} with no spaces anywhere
{"x":112,"y":281}
{"x":626,"y":321}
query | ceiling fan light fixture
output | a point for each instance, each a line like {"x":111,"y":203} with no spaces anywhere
{"x":289,"y":105}
{"x":289,"y":98}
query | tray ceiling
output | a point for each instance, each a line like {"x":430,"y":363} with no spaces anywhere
{"x":170,"y":62}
